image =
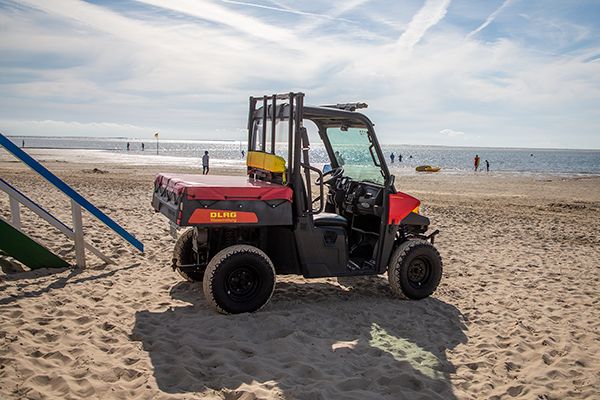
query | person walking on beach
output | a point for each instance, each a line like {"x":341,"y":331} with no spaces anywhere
{"x":243,"y":154}
{"x":23,"y":144}
{"x":487,"y":166}
{"x":392,"y":156}
{"x":142,"y":146}
{"x":128,"y":145}
{"x":476,"y":162}
{"x":205,"y":163}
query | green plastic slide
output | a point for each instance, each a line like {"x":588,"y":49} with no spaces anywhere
{"x":26,"y":250}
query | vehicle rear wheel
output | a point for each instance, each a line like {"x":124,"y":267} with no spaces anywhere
{"x":415,"y":269}
{"x":183,"y":254}
{"x":239,"y":279}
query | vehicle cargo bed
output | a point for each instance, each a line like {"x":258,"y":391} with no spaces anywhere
{"x":189,"y":200}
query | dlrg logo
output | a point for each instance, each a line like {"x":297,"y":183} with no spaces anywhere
{"x":224,"y":214}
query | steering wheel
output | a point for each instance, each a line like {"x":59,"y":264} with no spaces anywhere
{"x":335,"y":174}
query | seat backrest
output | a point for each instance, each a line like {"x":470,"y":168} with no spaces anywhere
{"x":266,"y":166}
{"x":266,"y":161}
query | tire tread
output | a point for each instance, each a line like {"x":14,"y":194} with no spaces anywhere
{"x":179,"y":252}
{"x":216,"y":261}
{"x":399,"y":254}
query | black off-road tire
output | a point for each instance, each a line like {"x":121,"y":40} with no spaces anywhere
{"x":183,"y":254}
{"x":239,"y":279}
{"x":415,"y":269}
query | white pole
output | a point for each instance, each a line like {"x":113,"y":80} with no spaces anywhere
{"x":78,"y":230}
{"x":15,"y":213}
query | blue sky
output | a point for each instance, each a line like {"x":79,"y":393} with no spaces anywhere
{"x":466,"y":73}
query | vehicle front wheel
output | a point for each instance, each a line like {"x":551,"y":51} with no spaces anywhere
{"x":415,"y":269}
{"x":239,"y":279}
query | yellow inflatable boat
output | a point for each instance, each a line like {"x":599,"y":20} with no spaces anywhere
{"x":427,"y":168}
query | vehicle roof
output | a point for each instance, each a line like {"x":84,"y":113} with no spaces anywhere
{"x":330,"y":116}
{"x":323,"y":115}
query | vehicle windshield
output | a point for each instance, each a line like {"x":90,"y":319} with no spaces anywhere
{"x":355,"y":153}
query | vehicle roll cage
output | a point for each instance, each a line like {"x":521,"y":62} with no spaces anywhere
{"x":293,"y":110}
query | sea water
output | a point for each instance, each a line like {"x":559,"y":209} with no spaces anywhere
{"x":229,"y":153}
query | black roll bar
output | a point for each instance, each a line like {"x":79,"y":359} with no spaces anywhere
{"x":295,"y":138}
{"x":321,"y":190}
{"x":264,"y":121}
{"x":290,"y":136}
{"x":252,"y":108}
{"x":273,"y":122}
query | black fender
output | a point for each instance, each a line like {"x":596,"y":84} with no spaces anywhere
{"x":414,"y":219}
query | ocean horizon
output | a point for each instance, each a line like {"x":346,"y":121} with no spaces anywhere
{"x":452,"y":159}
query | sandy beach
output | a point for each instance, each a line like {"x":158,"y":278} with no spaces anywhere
{"x":517,"y":314}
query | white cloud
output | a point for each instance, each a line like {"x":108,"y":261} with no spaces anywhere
{"x":432,"y":12}
{"x":289,"y":10}
{"x":490,"y":18}
{"x":451,"y":133}
{"x":75,"y":128}
{"x":72,"y":60}
{"x":209,"y":11}
{"x":340,"y":9}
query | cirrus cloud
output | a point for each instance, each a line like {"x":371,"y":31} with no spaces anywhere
{"x":452,"y":133}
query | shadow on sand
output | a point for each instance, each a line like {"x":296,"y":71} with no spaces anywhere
{"x":59,"y":283}
{"x":313,"y":341}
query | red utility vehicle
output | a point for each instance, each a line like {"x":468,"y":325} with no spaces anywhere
{"x":279,"y":219}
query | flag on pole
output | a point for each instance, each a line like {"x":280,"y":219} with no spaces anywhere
{"x":156,"y":135}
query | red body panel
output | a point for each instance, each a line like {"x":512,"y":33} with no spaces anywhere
{"x":400,"y":205}
{"x":215,"y":187}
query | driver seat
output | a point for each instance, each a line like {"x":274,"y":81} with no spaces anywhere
{"x":330,"y":219}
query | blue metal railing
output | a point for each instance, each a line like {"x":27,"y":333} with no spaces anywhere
{"x":69,"y":191}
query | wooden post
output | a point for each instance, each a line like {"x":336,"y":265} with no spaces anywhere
{"x":78,"y":230}
{"x":15,"y":213}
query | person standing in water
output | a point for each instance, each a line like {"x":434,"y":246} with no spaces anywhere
{"x":142,"y":146}
{"x":205,"y":159}
{"x":487,"y":166}
{"x":399,"y":157}
{"x":128,"y":145}
{"x":476,"y":162}
{"x":392,"y":156}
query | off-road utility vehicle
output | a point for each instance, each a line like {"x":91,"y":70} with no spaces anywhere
{"x":288,"y":217}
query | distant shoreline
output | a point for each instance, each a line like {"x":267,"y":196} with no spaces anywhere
{"x":232,"y":141}
{"x":149,"y":158}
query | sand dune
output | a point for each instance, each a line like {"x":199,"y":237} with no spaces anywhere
{"x":517,"y":314}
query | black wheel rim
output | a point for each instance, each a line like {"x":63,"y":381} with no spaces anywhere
{"x":242,"y":283}
{"x":419,"y":271}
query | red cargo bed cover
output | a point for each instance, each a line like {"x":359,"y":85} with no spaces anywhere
{"x":216,"y":187}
